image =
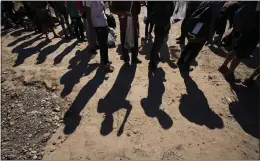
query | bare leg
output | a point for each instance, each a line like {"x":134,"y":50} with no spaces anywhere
{"x":54,"y":33}
{"x":231,"y":56}
{"x":234,"y":63}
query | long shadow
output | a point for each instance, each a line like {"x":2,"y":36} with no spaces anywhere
{"x":48,"y":50}
{"x":72,"y":116}
{"x":153,"y":102}
{"x":25,"y":44}
{"x":80,"y":69}
{"x":18,"y":32}
{"x":116,"y":99}
{"x":251,"y":62}
{"x":246,"y":109}
{"x":165,"y":55}
{"x":19,"y":40}
{"x":25,"y":53}
{"x":65,"y":52}
{"x":195,"y":108}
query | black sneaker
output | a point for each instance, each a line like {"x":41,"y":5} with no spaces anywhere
{"x":136,"y":61}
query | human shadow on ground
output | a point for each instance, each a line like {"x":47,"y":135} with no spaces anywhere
{"x":18,"y":32}
{"x":48,"y":50}
{"x":24,"y":53}
{"x":194,"y":106}
{"x":153,"y":102}
{"x":246,"y":109}
{"x":65,"y":52}
{"x":251,"y":62}
{"x":19,"y":40}
{"x":72,"y":116}
{"x":80,"y":67}
{"x":116,"y":100}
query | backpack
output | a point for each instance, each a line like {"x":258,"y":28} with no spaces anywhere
{"x":111,"y":21}
{"x":161,"y":12}
{"x":198,"y":25}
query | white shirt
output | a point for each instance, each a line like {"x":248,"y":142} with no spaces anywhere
{"x":98,"y":16}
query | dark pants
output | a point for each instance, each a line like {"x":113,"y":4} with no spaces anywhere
{"x":102,"y":34}
{"x":160,"y":32}
{"x":64,"y":17}
{"x":123,"y":26}
{"x":147,"y":26}
{"x":78,"y":27}
{"x":190,"y":52}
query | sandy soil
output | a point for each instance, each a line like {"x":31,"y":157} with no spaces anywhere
{"x":129,"y":114}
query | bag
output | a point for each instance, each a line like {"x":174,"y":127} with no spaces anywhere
{"x":111,"y":42}
{"x":111,"y":21}
{"x":129,"y":38}
{"x":198,"y":25}
{"x":161,"y":12}
{"x":179,"y":11}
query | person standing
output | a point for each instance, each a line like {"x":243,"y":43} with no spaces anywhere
{"x":61,"y":10}
{"x":208,"y":12}
{"x":246,"y":22}
{"x":99,"y":21}
{"x":160,"y":16}
{"x":76,"y":20}
{"x":227,"y":13}
{"x":191,"y":7}
{"x":122,"y":9}
{"x":43,"y":15}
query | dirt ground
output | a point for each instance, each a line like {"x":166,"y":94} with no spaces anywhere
{"x":131,"y":114}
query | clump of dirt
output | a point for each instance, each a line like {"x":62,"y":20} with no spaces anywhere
{"x":30,"y":115}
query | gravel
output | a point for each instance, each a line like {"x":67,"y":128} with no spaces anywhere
{"x":27,"y":120}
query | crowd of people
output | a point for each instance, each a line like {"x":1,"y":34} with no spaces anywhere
{"x":204,"y":24}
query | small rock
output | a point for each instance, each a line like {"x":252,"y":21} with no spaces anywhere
{"x":59,"y":137}
{"x":54,"y":143}
{"x":128,"y":134}
{"x":46,"y":135}
{"x":11,"y":123}
{"x":12,"y":105}
{"x":35,"y":157}
{"x":57,"y":109}
{"x":256,"y":150}
{"x":33,"y":152}
{"x":203,"y":143}
{"x":56,"y":117}
{"x":43,"y":101}
{"x":135,"y":131}
{"x":52,"y":148}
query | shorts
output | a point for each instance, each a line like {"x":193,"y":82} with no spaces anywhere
{"x":246,"y":44}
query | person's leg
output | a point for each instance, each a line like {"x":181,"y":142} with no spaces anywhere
{"x":158,"y":41}
{"x":102,"y":35}
{"x":194,"y":52}
{"x":66,"y":18}
{"x":184,"y":54}
{"x":85,"y":26}
{"x":223,"y":68}
{"x":81,"y":28}
{"x":146,"y":29}
{"x":61,"y":18}
{"x":250,"y":80}
{"x":76,"y":26}
{"x":124,"y":51}
{"x":151,"y":29}
{"x":92,"y":37}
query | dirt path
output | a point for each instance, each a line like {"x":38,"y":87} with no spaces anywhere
{"x":129,"y":114}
